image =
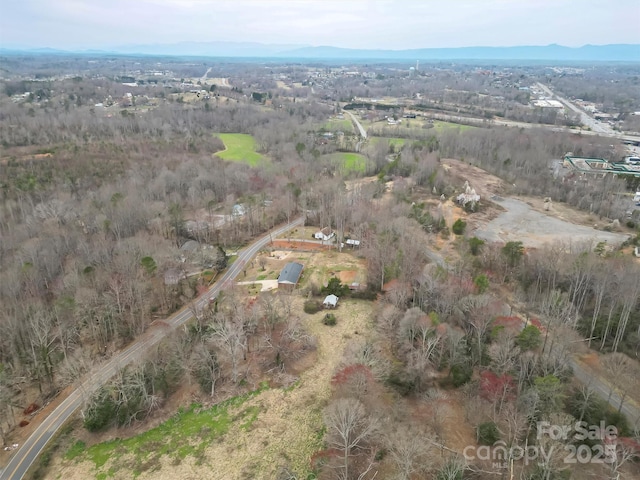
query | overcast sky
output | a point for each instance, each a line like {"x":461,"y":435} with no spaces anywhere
{"x":388,"y":24}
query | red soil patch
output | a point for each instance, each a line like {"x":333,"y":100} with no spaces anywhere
{"x":300,"y":246}
{"x":347,"y":276}
{"x":31,"y":408}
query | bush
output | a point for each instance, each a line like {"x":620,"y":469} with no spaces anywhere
{"x":335,"y":288}
{"x":329,"y":319}
{"x":459,"y":227}
{"x":461,"y":374}
{"x":100,"y":412}
{"x":365,"y":294}
{"x":481,"y":282}
{"x":529,"y":338}
{"x":312,"y":306}
{"x":401,"y":383}
{"x":487,"y":433}
{"x":475,"y":245}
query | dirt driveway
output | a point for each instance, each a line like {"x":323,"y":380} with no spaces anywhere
{"x":521,"y":223}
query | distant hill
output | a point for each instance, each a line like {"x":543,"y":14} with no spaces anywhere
{"x":586,"y":53}
{"x":550,"y":52}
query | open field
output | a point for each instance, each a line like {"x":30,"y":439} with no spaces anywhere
{"x":336,"y":124}
{"x":348,"y":162}
{"x":396,"y":142}
{"x":440,"y":126}
{"x":251,"y":436}
{"x":239,"y":147}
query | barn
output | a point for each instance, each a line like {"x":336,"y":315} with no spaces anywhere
{"x":289,"y":276}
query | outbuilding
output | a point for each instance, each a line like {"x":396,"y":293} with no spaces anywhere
{"x":290,"y":275}
{"x":331,"y":301}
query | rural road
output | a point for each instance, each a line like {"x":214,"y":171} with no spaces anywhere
{"x":29,"y":451}
{"x":363,"y":132}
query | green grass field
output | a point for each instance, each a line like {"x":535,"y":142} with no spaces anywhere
{"x":239,"y":147}
{"x":348,"y":162}
{"x":335,"y":124}
{"x":395,"y":141}
{"x":439,"y":126}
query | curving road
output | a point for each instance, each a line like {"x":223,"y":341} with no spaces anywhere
{"x":29,"y":451}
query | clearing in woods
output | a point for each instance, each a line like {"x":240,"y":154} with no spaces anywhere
{"x":348,"y":162}
{"x":251,"y":436}
{"x":239,"y":147}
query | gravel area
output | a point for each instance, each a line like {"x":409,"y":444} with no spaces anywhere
{"x":521,"y":223}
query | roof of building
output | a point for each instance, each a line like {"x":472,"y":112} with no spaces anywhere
{"x":290,"y":273}
{"x":331,"y":300}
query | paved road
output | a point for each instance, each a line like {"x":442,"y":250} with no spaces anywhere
{"x":29,"y":451}
{"x":363,"y":132}
{"x":589,"y":121}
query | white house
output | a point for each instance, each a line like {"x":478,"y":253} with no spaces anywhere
{"x":325,"y":234}
{"x":330,"y":302}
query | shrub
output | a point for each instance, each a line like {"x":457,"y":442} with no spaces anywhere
{"x":529,"y":338}
{"x":401,"y":383}
{"x":475,"y":245}
{"x":329,"y":319}
{"x":100,"y":412}
{"x":459,"y":227}
{"x":365,"y":294}
{"x":461,"y":374}
{"x":312,"y":306}
{"x":481,"y":282}
{"x":487,"y":433}
{"x":335,"y":288}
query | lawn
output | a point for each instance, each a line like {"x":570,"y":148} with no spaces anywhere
{"x":348,"y":162}
{"x":239,"y":147}
{"x":336,"y":124}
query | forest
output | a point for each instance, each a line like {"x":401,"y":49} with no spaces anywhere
{"x":106,"y":187}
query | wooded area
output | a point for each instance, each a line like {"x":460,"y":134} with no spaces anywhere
{"x":98,"y":206}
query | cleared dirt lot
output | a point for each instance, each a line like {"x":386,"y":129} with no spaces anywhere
{"x":506,"y":219}
{"x":519,"y":222}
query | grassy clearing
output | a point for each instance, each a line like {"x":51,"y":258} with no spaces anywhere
{"x":439,"y":126}
{"x":239,"y":147}
{"x":396,"y":142}
{"x":188,"y":433}
{"x":335,"y":124}
{"x":349,"y":162}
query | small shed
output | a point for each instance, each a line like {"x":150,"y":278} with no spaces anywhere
{"x":290,"y":275}
{"x":331,"y":301}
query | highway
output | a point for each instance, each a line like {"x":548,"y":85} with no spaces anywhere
{"x":29,"y":451}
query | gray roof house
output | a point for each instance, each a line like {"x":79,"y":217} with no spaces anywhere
{"x":290,"y":274}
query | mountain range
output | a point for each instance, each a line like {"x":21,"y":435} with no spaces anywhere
{"x":613,"y":52}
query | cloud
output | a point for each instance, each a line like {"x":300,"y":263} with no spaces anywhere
{"x":390,"y":24}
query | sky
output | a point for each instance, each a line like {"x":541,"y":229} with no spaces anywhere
{"x":370,"y":24}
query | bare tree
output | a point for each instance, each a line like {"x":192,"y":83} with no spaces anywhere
{"x":409,"y":448}
{"x":349,"y":427}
